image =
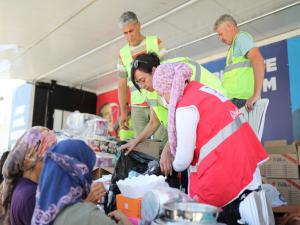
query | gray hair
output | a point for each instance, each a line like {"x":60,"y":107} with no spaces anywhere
{"x":224,"y":19}
{"x":126,"y":18}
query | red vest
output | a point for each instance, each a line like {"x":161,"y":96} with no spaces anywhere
{"x":229,"y":149}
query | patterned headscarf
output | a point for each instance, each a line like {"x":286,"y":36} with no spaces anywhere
{"x":29,"y":149}
{"x":65,"y":180}
{"x":171,"y":78}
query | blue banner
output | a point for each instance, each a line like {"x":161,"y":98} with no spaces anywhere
{"x":21,"y":114}
{"x":276,"y":88}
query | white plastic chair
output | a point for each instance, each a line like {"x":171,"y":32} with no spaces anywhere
{"x":254,"y":209}
{"x":256,"y":117}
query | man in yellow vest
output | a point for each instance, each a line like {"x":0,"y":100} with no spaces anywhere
{"x":136,"y":44}
{"x":244,"y":70}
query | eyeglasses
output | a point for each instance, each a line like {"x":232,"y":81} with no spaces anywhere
{"x":135,"y":63}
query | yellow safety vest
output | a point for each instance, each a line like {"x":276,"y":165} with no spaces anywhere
{"x":137,"y":97}
{"x":238,"y":78}
{"x":200,"y":74}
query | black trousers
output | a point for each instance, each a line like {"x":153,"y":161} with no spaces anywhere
{"x":177,"y":181}
{"x":238,"y":102}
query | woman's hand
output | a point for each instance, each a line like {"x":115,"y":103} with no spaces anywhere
{"x":250,"y":102}
{"x":97,"y":192}
{"x":120,"y":217}
{"x":166,"y":160}
{"x":129,"y":146}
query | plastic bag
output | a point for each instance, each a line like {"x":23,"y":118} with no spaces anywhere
{"x":136,"y":161}
{"x":137,"y":187}
{"x":85,"y":125}
{"x":274,"y":197}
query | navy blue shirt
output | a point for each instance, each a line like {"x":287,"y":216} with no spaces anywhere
{"x":23,"y":202}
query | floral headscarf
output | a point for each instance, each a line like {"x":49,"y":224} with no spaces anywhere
{"x":65,"y":180}
{"x":171,"y":78}
{"x":29,"y":149}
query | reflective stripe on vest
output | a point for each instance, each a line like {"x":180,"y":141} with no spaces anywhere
{"x":220,"y":137}
{"x":198,"y":70}
{"x":237,"y":66}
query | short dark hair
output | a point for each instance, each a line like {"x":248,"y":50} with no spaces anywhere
{"x":145,"y":64}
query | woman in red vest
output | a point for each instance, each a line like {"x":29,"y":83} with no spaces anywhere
{"x":208,"y":134}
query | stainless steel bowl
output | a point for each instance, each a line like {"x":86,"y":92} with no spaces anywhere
{"x":191,"y":212}
{"x":153,"y":201}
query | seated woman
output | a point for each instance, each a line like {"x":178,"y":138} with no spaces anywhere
{"x":21,"y":172}
{"x":64,"y":184}
{"x":2,"y":161}
{"x":208,"y":135}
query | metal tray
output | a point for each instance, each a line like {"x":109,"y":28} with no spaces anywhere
{"x":190,"y":211}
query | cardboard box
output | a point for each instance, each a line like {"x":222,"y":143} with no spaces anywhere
{"x":284,"y":160}
{"x":275,"y":143}
{"x":149,"y":147}
{"x":131,"y":207}
{"x":289,"y":188}
{"x":99,"y":172}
